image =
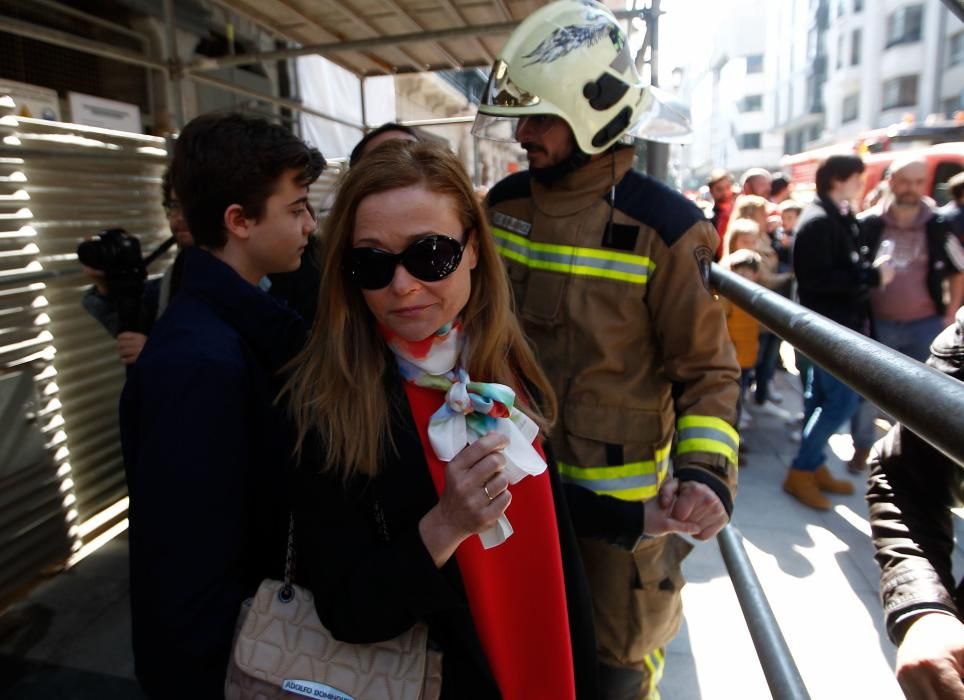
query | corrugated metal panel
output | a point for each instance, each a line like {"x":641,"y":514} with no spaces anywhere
{"x":60,"y":183}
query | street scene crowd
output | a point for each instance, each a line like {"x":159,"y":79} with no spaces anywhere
{"x":473,"y":435}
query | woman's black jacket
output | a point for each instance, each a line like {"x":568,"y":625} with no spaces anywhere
{"x":368,"y":589}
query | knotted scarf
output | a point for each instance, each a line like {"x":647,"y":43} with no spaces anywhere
{"x":471,"y":410}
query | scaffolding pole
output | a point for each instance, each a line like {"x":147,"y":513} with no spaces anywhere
{"x":209,"y":64}
{"x":70,"y":41}
{"x":271,"y":99}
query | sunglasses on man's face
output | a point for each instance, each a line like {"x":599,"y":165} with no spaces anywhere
{"x":429,"y":259}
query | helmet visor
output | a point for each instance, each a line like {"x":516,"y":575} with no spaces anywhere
{"x":495,"y":128}
{"x":502,"y":92}
{"x":666,"y":119}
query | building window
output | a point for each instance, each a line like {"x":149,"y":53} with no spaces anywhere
{"x":750,"y":141}
{"x":953,"y":105}
{"x":904,"y":25}
{"x":751,"y":103}
{"x":754,"y":63}
{"x":858,"y":5}
{"x":955,"y":52}
{"x":841,"y":8}
{"x":850,"y":106}
{"x":900,"y":92}
{"x":840,"y":50}
{"x":855,"y":39}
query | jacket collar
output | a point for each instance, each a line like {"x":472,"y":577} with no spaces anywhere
{"x":271,"y":330}
{"x":832,"y":209}
{"x":583,"y":187}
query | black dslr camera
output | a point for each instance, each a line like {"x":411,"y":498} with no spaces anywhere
{"x":118,"y":255}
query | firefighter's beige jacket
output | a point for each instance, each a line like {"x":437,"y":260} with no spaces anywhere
{"x":624,"y":323}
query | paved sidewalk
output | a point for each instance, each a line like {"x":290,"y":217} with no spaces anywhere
{"x":817,"y":570}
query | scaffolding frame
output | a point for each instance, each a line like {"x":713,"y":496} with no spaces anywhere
{"x":197,"y":70}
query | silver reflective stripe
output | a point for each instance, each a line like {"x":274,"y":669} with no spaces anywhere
{"x":572,"y":259}
{"x":620,"y":484}
{"x":708,"y":434}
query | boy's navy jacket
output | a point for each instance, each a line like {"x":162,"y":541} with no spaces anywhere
{"x":205,"y":460}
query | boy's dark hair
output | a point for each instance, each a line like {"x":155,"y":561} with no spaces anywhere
{"x":229,"y":158}
{"x":836,"y":168}
{"x":778,"y":184}
{"x":359,"y":149}
{"x":956,"y":186}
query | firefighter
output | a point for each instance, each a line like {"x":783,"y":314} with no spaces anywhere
{"x":610,"y":273}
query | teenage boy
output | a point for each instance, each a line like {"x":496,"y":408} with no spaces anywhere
{"x":203,"y":460}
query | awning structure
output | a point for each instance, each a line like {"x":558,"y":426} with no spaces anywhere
{"x":385,"y":37}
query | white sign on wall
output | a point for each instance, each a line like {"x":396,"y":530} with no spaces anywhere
{"x":106,"y":114}
{"x":32,"y":100}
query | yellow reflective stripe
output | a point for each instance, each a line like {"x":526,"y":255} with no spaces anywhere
{"x":709,"y":422}
{"x":588,"y":262}
{"x":567,"y":268}
{"x":706,"y":445}
{"x":631,"y":258}
{"x":655,"y":663}
{"x":636,"y":481}
{"x":707,"y":434}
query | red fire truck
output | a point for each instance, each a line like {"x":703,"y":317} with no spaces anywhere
{"x":940,"y":146}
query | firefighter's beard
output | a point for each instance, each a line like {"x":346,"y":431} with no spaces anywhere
{"x":554,"y":173}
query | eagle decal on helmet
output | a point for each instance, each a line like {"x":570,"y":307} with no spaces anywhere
{"x":565,"y":40}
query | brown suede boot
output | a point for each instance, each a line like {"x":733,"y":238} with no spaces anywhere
{"x":858,"y":464}
{"x":802,"y":485}
{"x":826,"y":482}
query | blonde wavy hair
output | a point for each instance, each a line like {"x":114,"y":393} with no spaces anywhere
{"x":337,"y":384}
{"x":736,"y":228}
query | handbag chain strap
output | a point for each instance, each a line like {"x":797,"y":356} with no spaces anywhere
{"x":287,"y":592}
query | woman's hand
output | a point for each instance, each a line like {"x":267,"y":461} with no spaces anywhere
{"x":475,"y":496}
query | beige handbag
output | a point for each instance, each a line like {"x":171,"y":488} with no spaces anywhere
{"x":282,"y":650}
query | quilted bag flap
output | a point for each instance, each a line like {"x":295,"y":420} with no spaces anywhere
{"x":284,"y":643}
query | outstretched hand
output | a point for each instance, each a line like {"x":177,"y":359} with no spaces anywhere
{"x":930,"y":660}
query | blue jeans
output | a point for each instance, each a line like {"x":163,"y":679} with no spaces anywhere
{"x":766,"y":363}
{"x":913,"y":338}
{"x":746,"y":378}
{"x":827,"y":403}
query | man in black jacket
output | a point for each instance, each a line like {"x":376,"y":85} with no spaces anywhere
{"x":203,"y":462}
{"x":834,"y":276}
{"x":912,"y":489}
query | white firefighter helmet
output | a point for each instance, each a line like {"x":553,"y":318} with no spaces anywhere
{"x":571,"y":59}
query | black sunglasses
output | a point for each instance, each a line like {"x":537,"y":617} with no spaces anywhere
{"x":429,"y":259}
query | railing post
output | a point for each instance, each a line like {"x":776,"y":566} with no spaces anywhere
{"x":771,"y":648}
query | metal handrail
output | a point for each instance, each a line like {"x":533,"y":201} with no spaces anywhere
{"x":928,"y":402}
{"x":771,"y":648}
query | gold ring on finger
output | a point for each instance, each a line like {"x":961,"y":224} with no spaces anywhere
{"x":485,"y":487}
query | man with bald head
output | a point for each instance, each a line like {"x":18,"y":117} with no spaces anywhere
{"x":757,"y":181}
{"x":928,"y":286}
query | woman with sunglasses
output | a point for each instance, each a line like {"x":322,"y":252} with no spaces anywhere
{"x":399,"y":520}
